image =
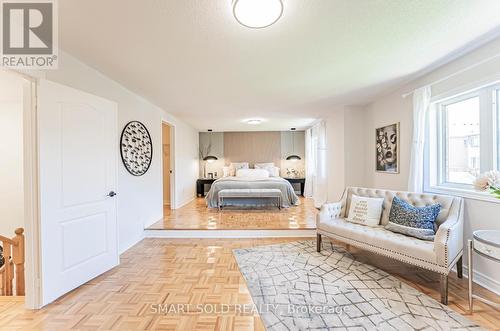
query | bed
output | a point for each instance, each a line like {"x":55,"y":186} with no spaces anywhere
{"x":288,"y":196}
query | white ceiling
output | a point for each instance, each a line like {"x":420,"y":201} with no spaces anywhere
{"x":193,"y":59}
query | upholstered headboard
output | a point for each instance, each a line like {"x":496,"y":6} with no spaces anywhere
{"x":252,"y":147}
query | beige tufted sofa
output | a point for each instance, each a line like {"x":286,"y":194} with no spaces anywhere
{"x":439,"y":255}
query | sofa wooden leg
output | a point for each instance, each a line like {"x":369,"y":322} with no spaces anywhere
{"x":460,"y":272}
{"x":318,"y":242}
{"x":444,"y":289}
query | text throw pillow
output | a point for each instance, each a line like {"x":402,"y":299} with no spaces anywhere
{"x":365,"y":211}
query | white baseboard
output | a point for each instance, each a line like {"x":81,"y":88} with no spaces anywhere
{"x":130,"y":244}
{"x":182,"y":204}
{"x":487,"y":282}
{"x":229,"y":233}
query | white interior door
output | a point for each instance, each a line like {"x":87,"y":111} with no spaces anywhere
{"x":77,"y":155}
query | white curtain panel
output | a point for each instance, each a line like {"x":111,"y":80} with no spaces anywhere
{"x":421,"y":104}
{"x":316,"y":180}
{"x":310,"y":165}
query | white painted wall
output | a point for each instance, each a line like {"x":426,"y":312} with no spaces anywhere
{"x":11,"y":154}
{"x":140,"y":199}
{"x":335,"y":153}
{"x":346,"y":137}
{"x":394,"y":108}
{"x":355,"y":147}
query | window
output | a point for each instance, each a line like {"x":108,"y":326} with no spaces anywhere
{"x":497,"y":114}
{"x":464,"y":138}
{"x":462,"y":150}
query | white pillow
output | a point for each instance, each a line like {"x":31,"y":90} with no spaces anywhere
{"x":234,"y":166}
{"x":273,"y":171}
{"x":263,"y":165}
{"x":252,"y":173}
{"x":365,"y":211}
{"x":225,"y":172}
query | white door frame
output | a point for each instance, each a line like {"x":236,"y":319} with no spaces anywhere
{"x":173,"y":200}
{"x":31,"y":190}
{"x":32,"y":199}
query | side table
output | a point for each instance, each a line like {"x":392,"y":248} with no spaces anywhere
{"x":200,"y":185}
{"x":487,"y":244}
{"x":301,"y":181}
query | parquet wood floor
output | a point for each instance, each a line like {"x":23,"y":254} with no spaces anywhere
{"x":194,"y":271}
{"x":196,"y":215}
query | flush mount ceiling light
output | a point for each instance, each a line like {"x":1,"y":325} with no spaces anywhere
{"x":254,"y":122}
{"x":257,"y":14}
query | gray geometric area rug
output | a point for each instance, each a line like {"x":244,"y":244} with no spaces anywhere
{"x":295,"y":288}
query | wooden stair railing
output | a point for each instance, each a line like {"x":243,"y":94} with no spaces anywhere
{"x":13,"y":269}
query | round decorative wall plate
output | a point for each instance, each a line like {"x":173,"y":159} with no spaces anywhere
{"x":136,"y":148}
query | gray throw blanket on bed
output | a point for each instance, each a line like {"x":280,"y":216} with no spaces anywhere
{"x":288,"y":196}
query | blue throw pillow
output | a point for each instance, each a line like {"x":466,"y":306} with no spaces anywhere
{"x":413,"y":221}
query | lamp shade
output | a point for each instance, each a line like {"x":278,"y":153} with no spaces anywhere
{"x":210,"y":158}
{"x":293,"y":157}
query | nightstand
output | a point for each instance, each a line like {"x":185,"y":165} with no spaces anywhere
{"x":487,"y":244}
{"x":301,"y":181}
{"x":200,"y":185}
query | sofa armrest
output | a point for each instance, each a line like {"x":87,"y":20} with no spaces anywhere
{"x":448,"y":242}
{"x":329,"y":211}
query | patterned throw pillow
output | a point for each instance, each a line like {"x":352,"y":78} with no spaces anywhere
{"x":413,"y":221}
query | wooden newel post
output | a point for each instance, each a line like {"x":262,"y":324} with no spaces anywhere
{"x":18,"y":259}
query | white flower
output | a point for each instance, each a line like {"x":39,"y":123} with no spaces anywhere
{"x":487,"y":180}
{"x":493,"y":178}
{"x":482,"y":183}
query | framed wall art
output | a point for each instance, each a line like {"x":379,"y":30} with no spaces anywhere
{"x":387,"y":149}
{"x":136,"y":148}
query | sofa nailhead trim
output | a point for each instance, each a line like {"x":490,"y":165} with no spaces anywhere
{"x":398,"y":256}
{"x":448,"y":236}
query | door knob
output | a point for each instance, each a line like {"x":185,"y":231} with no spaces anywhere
{"x":112,"y":194}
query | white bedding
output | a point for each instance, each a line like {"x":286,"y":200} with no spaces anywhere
{"x":289,"y":198}
{"x":252,"y":173}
